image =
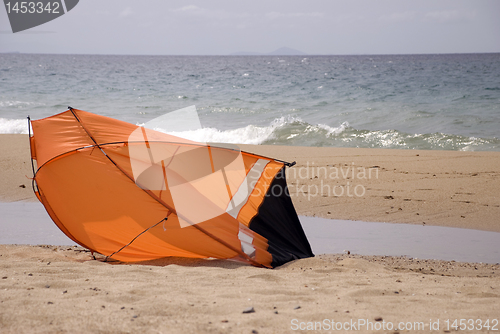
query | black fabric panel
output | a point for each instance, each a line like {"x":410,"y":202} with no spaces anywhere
{"x":277,"y":221}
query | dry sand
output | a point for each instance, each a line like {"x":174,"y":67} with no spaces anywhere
{"x":62,"y":289}
{"x":445,"y":188}
{"x":50,"y":289}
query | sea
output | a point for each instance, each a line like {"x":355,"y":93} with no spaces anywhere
{"x":430,"y":102}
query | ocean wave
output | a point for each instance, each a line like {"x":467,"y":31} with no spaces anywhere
{"x":18,"y":103}
{"x":285,"y":127}
{"x":289,"y":130}
{"x":13,"y":126}
{"x":294,"y":131}
{"x":250,"y":134}
{"x":303,"y":134}
{"x":428,"y":141}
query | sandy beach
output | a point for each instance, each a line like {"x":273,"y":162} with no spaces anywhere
{"x":445,"y":188}
{"x":48,"y":289}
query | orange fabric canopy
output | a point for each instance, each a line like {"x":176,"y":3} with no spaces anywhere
{"x":135,"y":194}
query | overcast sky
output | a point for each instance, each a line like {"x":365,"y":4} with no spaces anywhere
{"x":221,"y":27}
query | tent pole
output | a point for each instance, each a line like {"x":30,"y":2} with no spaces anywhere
{"x":31,"y":157}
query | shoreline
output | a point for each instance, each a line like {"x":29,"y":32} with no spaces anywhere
{"x":442,"y":188}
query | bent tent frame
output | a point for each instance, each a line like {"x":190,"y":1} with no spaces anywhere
{"x":268,"y":234}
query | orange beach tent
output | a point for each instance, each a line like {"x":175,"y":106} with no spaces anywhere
{"x":134,"y":194}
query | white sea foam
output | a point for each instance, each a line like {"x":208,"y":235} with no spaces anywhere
{"x":13,"y":125}
{"x":252,"y":134}
{"x":321,"y":128}
{"x":331,"y":131}
{"x":284,"y":120}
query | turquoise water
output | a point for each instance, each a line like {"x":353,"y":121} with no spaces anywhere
{"x":394,"y":101}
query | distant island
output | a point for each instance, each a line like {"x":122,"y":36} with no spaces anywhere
{"x":284,"y":51}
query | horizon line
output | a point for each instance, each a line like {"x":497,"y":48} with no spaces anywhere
{"x":247,"y":55}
